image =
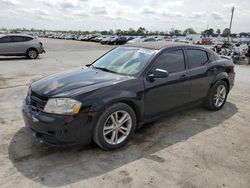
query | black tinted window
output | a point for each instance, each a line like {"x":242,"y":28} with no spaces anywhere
{"x":172,"y":61}
{"x":20,"y":39}
{"x":5,"y":39}
{"x":196,"y":58}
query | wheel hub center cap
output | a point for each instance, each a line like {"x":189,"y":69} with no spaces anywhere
{"x":117,"y":126}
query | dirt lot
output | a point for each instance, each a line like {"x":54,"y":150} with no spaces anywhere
{"x":194,"y":148}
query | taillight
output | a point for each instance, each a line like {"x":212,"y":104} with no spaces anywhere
{"x":231,"y":68}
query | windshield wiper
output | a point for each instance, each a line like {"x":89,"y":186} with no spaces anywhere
{"x":104,"y":69}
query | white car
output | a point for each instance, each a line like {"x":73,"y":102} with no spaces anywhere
{"x":20,"y":45}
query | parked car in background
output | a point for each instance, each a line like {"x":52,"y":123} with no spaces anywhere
{"x":127,"y":87}
{"x":71,"y":36}
{"x":80,"y":37}
{"x":89,"y":37}
{"x":136,"y":40}
{"x":118,"y":40}
{"x":20,"y":45}
{"x":130,"y":38}
{"x":97,"y":39}
{"x":121,"y":40}
{"x":107,"y":40}
{"x":149,"y":39}
{"x":83,"y":38}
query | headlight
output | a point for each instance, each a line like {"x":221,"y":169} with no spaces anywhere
{"x":64,"y":106}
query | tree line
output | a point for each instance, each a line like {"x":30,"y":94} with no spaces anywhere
{"x":137,"y":32}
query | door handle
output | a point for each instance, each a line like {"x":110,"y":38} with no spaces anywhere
{"x":213,"y":69}
{"x":183,"y":77}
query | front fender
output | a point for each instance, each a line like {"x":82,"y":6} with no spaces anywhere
{"x":130,"y":92}
{"x":134,"y":100}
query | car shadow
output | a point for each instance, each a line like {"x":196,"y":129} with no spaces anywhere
{"x":15,"y":58}
{"x":57,"y":167}
{"x":12,"y":58}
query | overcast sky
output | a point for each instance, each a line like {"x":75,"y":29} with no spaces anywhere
{"x":161,"y":15}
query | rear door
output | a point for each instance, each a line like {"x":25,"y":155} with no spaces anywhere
{"x":202,"y":71}
{"x":162,"y":94}
{"x":19,"y":44}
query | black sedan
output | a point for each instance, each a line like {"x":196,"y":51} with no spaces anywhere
{"x":127,"y":87}
{"x":118,"y":40}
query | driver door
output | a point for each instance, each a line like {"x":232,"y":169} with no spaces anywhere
{"x":163,"y":94}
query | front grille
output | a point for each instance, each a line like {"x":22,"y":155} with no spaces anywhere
{"x":36,"y":102}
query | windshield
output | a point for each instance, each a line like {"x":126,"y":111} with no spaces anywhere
{"x":124,"y":60}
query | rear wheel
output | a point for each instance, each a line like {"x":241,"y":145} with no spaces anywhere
{"x":115,"y":126}
{"x":32,"y":54}
{"x":217,"y":96}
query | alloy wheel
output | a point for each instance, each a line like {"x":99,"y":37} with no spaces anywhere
{"x":117,"y":127}
{"x":32,"y":54}
{"x":220,"y":96}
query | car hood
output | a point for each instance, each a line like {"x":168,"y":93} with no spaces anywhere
{"x":76,"y":81}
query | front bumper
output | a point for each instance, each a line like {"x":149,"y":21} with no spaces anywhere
{"x":58,"y":130}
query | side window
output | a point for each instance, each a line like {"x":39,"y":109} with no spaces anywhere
{"x":20,"y":39}
{"x":16,"y":39}
{"x":5,"y":39}
{"x":196,"y":58}
{"x":26,"y":39}
{"x":172,"y":61}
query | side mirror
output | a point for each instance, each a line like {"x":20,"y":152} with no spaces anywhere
{"x":158,"y":73}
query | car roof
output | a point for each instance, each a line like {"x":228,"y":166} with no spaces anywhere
{"x":157,"y":45}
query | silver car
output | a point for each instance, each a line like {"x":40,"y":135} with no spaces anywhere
{"x":20,"y":45}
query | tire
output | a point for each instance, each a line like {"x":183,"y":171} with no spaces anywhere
{"x":107,"y":128}
{"x":32,"y":53}
{"x":217,"y":96}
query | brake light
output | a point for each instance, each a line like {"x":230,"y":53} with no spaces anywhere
{"x":231,"y":67}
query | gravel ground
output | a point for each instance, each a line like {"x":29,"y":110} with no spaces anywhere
{"x":192,"y":148}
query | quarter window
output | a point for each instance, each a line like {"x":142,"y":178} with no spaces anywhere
{"x":172,"y":61}
{"x":196,"y":58}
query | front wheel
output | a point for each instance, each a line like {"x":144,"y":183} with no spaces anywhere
{"x":115,"y":126}
{"x":32,"y":54}
{"x":217,"y":96}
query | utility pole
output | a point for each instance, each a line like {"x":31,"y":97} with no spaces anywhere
{"x":230,"y":26}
